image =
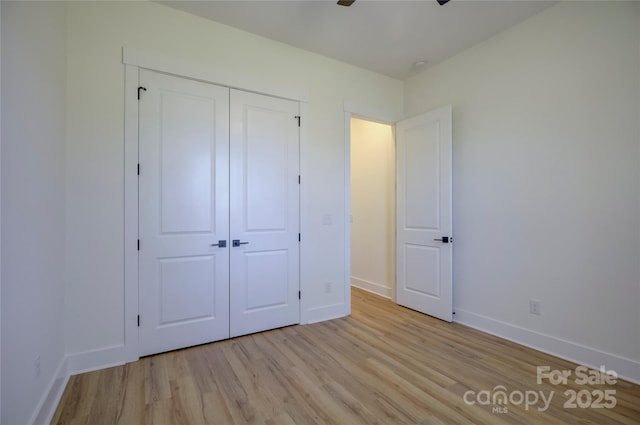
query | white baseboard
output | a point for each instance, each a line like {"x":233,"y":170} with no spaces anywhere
{"x":74,"y":364}
{"x":47,"y":406}
{"x":376,"y":288}
{"x":327,"y":312}
{"x":102,"y":358}
{"x":627,"y":369}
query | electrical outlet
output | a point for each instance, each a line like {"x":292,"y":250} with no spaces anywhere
{"x":327,"y":288}
{"x":37,"y":367}
{"x":534,"y":307}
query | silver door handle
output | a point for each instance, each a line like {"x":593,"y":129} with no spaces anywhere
{"x":236,"y":243}
{"x":444,"y":239}
{"x":220,"y":244}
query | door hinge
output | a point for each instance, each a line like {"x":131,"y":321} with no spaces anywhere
{"x":298,"y":178}
{"x":299,"y":237}
{"x":299,"y":295}
{"x":138,"y":169}
{"x":138,"y":320}
{"x":298,"y":118}
{"x":138,"y":244}
{"x":141,"y":88}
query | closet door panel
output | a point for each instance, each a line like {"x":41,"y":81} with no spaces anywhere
{"x":183,"y":212}
{"x":264,"y":158}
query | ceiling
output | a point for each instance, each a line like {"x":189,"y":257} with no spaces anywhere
{"x":385,"y":36}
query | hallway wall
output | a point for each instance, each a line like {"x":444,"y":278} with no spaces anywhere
{"x":372,"y":207}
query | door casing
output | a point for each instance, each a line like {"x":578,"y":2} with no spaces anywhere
{"x":246,"y":189}
{"x":364,"y":113}
{"x":134,"y":60}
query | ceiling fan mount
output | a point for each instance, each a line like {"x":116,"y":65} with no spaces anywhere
{"x":350,"y":2}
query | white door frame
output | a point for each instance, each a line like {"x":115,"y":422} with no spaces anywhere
{"x":348,"y":203}
{"x":365,"y":113}
{"x":133,"y":61}
{"x":369,"y":114}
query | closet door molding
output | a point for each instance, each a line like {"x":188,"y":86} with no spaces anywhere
{"x":134,"y":60}
{"x":148,"y":60}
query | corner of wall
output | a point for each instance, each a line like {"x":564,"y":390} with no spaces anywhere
{"x":47,"y":406}
{"x":102,"y":358}
{"x":34,"y":67}
{"x":0,"y":221}
{"x":637,"y":6}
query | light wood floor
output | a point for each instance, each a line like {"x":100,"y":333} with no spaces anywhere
{"x":382,"y":365}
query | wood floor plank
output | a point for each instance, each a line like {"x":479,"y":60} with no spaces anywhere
{"x":384,"y":364}
{"x":216,"y":411}
{"x":130,"y":411}
{"x":161,"y":412}
{"x":251,"y":378}
{"x":156,"y":380}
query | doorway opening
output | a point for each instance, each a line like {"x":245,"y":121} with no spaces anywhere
{"x":400,"y":229}
{"x":373,"y":171}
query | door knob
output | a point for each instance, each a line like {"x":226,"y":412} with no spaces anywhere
{"x":444,"y":239}
{"x":220,"y":244}
{"x":236,"y":243}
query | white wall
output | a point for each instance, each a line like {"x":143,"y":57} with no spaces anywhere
{"x":0,"y":219}
{"x":546,"y":180}
{"x":33,"y":242}
{"x":372,"y":206}
{"x":95,"y":151}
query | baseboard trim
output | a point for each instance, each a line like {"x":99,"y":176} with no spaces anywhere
{"x":49,"y":402}
{"x":375,"y":288}
{"x":326,"y":312}
{"x":626,"y":369}
{"x":102,"y":358}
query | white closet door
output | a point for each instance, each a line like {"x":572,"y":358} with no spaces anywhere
{"x":264,"y":158}
{"x":184,"y":212}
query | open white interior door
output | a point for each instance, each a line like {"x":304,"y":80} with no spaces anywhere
{"x":424,"y":207}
